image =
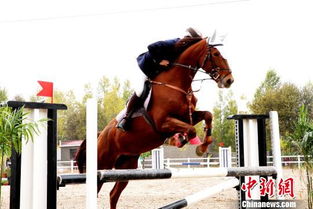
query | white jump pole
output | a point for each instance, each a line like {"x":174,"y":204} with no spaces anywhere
{"x":40,"y":163}
{"x":201,"y":195}
{"x":275,"y":140}
{"x":191,"y":199}
{"x":251,"y":151}
{"x":91,"y":154}
{"x":33,"y":193}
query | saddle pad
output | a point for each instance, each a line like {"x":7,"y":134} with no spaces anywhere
{"x":121,"y":114}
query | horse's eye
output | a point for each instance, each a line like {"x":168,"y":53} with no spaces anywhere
{"x":216,"y":54}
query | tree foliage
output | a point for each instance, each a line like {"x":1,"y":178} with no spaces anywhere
{"x":224,"y":129}
{"x":286,"y":98}
{"x":272,"y":81}
{"x":306,"y":98}
{"x":111,"y":96}
{"x":71,"y":123}
{"x":3,"y":95}
{"x":112,"y":100}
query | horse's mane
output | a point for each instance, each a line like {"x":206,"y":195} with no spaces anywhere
{"x":185,"y":43}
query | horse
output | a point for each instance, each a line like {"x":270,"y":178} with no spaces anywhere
{"x":172,"y":110}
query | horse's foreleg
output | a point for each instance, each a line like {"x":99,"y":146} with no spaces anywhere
{"x":123,"y":162}
{"x":207,"y":117}
{"x":173,"y":125}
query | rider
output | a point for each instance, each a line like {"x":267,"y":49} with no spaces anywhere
{"x":157,"y":59}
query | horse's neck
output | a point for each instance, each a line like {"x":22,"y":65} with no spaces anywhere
{"x":181,"y":76}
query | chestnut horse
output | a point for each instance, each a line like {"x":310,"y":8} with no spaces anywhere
{"x":172,"y":110}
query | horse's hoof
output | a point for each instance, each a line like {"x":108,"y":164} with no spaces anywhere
{"x":199,"y":151}
{"x":182,"y":143}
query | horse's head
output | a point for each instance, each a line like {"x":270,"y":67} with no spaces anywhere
{"x":214,"y":64}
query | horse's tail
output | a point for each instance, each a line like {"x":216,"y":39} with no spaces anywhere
{"x":80,"y":157}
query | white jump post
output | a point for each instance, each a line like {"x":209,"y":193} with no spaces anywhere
{"x":251,"y":150}
{"x":225,"y":157}
{"x":277,"y":162}
{"x":34,"y":166}
{"x":157,"y":157}
{"x":91,"y":154}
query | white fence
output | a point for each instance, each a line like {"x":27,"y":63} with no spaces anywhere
{"x":287,"y":160}
{"x":67,"y":167}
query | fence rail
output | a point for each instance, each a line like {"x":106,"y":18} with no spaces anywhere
{"x":287,"y":160}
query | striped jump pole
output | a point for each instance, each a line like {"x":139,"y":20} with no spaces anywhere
{"x":201,"y":195}
{"x":133,"y":174}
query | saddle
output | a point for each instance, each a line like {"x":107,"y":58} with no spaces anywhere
{"x":141,"y":110}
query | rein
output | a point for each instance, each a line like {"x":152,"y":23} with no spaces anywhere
{"x":214,"y":74}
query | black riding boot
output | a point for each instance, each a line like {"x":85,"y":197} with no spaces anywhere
{"x":133,"y":104}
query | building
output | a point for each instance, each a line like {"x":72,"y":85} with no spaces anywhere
{"x":67,"y":149}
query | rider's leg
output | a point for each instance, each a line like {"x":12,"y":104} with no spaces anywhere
{"x":132,"y":105}
{"x":135,"y":102}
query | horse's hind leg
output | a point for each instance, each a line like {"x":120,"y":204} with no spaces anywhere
{"x":123,"y":162}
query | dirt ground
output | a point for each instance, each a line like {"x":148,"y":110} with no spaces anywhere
{"x":156,"y":193}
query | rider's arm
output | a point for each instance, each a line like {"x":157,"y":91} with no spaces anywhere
{"x":162,"y":50}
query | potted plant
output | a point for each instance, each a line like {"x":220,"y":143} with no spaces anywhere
{"x":12,"y":130}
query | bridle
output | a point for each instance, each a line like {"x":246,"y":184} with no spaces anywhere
{"x":215,"y":70}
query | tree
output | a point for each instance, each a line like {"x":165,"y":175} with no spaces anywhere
{"x":271,"y":82}
{"x":284,"y":98}
{"x":224,"y":129}
{"x":127,"y":90}
{"x":3,"y":95}
{"x":111,"y":96}
{"x":307,"y":98}
{"x":113,"y":101}
{"x":72,"y":122}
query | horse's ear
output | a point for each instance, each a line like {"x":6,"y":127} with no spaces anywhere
{"x":212,"y":38}
{"x":216,"y":40}
{"x":193,"y":32}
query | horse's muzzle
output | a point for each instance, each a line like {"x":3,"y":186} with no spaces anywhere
{"x":226,"y":82}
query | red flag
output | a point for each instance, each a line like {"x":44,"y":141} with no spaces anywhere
{"x":47,"y":89}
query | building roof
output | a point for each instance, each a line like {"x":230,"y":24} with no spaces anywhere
{"x":71,"y":143}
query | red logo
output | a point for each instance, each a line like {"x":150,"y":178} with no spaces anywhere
{"x":267,"y":187}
